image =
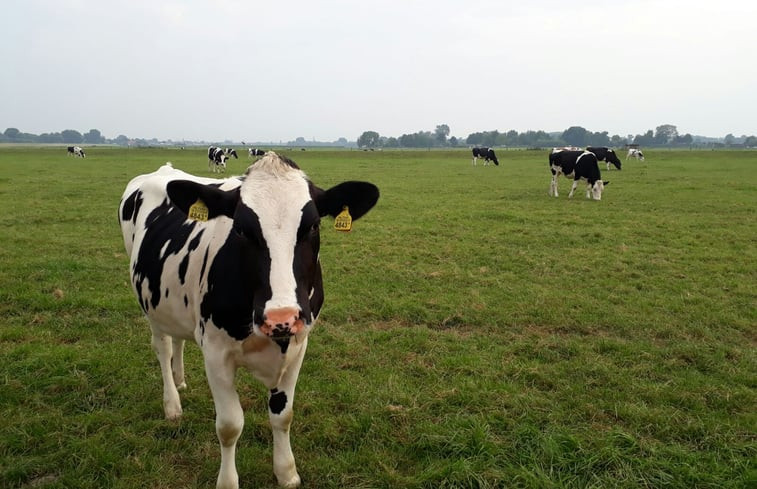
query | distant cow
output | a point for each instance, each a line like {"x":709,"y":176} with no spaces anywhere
{"x":231,"y":152}
{"x":605,"y":154}
{"x":635,"y":153}
{"x":486,"y":153}
{"x":579,"y":165}
{"x":76,"y":151}
{"x":216,"y":160}
{"x":255,"y":152}
{"x":233,"y":265}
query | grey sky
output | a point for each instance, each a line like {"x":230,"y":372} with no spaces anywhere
{"x":270,"y":71}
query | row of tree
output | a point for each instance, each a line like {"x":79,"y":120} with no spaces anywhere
{"x":68,"y":136}
{"x":664,"y":135}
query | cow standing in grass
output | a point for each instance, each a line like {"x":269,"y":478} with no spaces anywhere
{"x":635,"y":153}
{"x":216,"y":160}
{"x":605,"y":154}
{"x":233,"y":264}
{"x":579,"y":165}
{"x":76,"y":151}
{"x":487,"y":154}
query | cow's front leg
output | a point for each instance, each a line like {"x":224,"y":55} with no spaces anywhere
{"x":171,"y":402}
{"x":177,"y":363}
{"x":229,"y":415}
{"x":573,"y":188}
{"x":280,"y":414}
{"x":553,"y":186}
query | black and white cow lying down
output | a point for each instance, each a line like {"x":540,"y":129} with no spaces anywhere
{"x":255,"y":152}
{"x":216,"y":159}
{"x":579,"y":165}
{"x":605,"y":154}
{"x":243,"y":281}
{"x":487,"y":154}
{"x":76,"y":151}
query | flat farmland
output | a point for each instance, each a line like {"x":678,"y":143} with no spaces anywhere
{"x":476,"y":333}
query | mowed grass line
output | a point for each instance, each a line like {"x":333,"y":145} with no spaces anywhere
{"x":476,"y":333}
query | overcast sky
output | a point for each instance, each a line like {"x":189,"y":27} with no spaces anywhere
{"x":277,"y":70}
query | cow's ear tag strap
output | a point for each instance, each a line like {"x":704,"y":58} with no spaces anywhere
{"x":343,"y":221}
{"x":198,"y":211}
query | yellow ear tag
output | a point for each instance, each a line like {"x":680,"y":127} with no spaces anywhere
{"x":343,"y":221}
{"x":198,"y":211}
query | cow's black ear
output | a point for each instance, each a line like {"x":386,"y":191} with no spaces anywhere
{"x":184,"y":193}
{"x":360,"y":197}
{"x":607,"y":182}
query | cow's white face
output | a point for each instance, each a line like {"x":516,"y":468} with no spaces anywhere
{"x":597,"y":189}
{"x":282,"y":202}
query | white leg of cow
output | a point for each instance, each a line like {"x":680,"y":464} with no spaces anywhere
{"x":553,"y":186}
{"x":280,"y":413}
{"x":177,"y":363}
{"x":573,"y":188}
{"x":229,"y":415}
{"x":474,"y":161}
{"x":171,"y":402}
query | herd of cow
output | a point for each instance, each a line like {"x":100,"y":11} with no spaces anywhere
{"x":233,"y":265}
{"x":574,"y":163}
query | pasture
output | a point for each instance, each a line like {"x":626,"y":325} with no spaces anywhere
{"x":476,"y":332}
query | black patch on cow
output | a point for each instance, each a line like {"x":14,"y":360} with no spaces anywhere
{"x":277,"y":401}
{"x":166,"y":293}
{"x":130,"y":207}
{"x":183,"y":268}
{"x":186,"y":301}
{"x":238,"y":278}
{"x":283,"y":344}
{"x":163,"y":227}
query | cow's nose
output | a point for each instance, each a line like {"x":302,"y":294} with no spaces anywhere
{"x":284,"y":321}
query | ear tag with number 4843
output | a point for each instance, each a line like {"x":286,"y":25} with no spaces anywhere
{"x":343,"y":221}
{"x":198,"y":211}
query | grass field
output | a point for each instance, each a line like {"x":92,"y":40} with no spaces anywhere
{"x":476,"y":333}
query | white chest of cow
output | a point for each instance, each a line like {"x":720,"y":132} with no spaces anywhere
{"x":245,"y":284}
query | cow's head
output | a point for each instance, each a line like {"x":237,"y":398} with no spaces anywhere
{"x":276,"y":215}
{"x":595,"y":191}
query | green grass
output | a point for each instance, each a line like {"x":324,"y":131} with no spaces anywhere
{"x":476,"y":333}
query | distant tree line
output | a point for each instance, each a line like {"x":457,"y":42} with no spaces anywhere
{"x":665,"y":135}
{"x":69,"y":136}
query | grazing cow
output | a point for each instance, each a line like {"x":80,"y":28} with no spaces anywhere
{"x":233,"y":264}
{"x":231,"y":152}
{"x":580,"y":165}
{"x":635,"y":153}
{"x":216,"y":159}
{"x":76,"y":151}
{"x":255,"y":152}
{"x":487,"y":154}
{"x":605,"y":154}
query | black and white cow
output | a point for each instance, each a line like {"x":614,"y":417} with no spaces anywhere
{"x":635,"y":153}
{"x":216,"y":159}
{"x":252,"y":152}
{"x":243,"y":281}
{"x":76,"y":151}
{"x":231,"y":152}
{"x":487,"y":154}
{"x":605,"y":154}
{"x":579,"y":165}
